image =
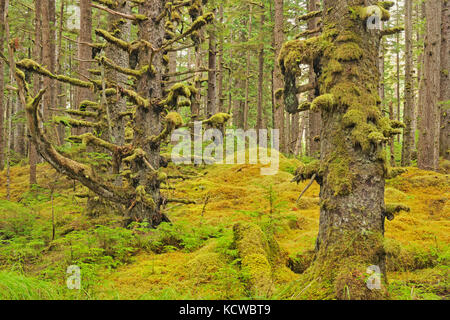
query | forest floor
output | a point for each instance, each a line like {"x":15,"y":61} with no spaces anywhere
{"x":194,"y":257}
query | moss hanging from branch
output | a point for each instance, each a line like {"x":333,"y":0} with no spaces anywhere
{"x":33,"y":66}
{"x":69,"y":122}
{"x":112,"y":39}
{"x":131,"y":72}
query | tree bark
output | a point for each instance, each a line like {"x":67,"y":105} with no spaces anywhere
{"x":445,"y":82}
{"x":353,"y":165}
{"x":37,"y":54}
{"x":428,"y":150}
{"x":259,"y":117}
{"x":84,"y":54}
{"x":408,"y":113}
{"x":211,"y":107}
{"x":278,"y":36}
{"x":2,"y":88}
{"x":314,"y":125}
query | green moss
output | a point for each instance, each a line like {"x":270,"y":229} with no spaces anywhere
{"x":339,"y":177}
{"x":323,"y":102}
{"x":175,"y":119}
{"x":349,"y":51}
{"x":305,"y":172}
{"x":365,"y":12}
{"x":112,"y":39}
{"x":218,"y":120}
{"x":393,"y":208}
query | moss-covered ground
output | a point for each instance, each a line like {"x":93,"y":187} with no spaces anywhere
{"x":203,"y":253}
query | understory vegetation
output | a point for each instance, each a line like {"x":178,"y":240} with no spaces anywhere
{"x":245,"y":238}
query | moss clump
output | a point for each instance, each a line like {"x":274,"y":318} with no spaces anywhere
{"x":305,"y":172}
{"x":88,"y":104}
{"x":393,"y":208}
{"x":340,"y":178}
{"x":297,"y":52}
{"x":217,"y":120}
{"x":174,"y":119}
{"x":323,"y":102}
{"x":349,"y":51}
{"x":379,"y":9}
{"x":174,"y":93}
{"x":143,"y":197}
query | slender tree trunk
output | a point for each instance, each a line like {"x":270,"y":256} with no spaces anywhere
{"x":247,"y":69}
{"x":37,"y":54}
{"x":84,"y":53}
{"x":221,"y":97}
{"x":259,"y":117}
{"x":60,"y":87}
{"x":408,"y":113}
{"x":2,"y":88}
{"x":445,"y":82}
{"x":314,"y":117}
{"x":397,"y":62}
{"x":278,"y":35}
{"x":211,"y":107}
{"x":428,"y":151}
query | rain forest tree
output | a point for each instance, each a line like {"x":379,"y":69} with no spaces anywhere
{"x":353,"y":165}
{"x":134,"y":112}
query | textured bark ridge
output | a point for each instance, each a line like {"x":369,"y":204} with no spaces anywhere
{"x":134,"y":112}
{"x":353,"y":164}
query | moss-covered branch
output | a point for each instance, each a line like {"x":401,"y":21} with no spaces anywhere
{"x":173,"y":121}
{"x":69,"y":122}
{"x":305,"y":172}
{"x":131,"y":72}
{"x":310,"y":15}
{"x":391,"y":31}
{"x":33,"y":66}
{"x":196,"y":25}
{"x":90,"y":139}
{"x":80,"y":113}
{"x":113,"y":40}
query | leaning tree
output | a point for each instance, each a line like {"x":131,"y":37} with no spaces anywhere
{"x":352,"y":166}
{"x":136,"y":108}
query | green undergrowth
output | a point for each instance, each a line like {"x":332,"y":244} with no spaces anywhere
{"x":200,"y":255}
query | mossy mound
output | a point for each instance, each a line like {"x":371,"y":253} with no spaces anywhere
{"x":260,"y":256}
{"x":307,"y":203}
{"x":400,"y":258}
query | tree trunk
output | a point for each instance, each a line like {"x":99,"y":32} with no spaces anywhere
{"x":278,"y":36}
{"x":353,"y":165}
{"x":221,"y":98}
{"x":445,"y":82}
{"x":428,"y":151}
{"x":247,"y":68}
{"x":2,"y":88}
{"x":37,"y":54}
{"x":211,"y":107}
{"x":314,"y":117}
{"x":84,"y":54}
{"x":259,"y":117}
{"x":408,"y":113}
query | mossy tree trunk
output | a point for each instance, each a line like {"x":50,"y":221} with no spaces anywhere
{"x":353,"y":163}
{"x":352,"y":192}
